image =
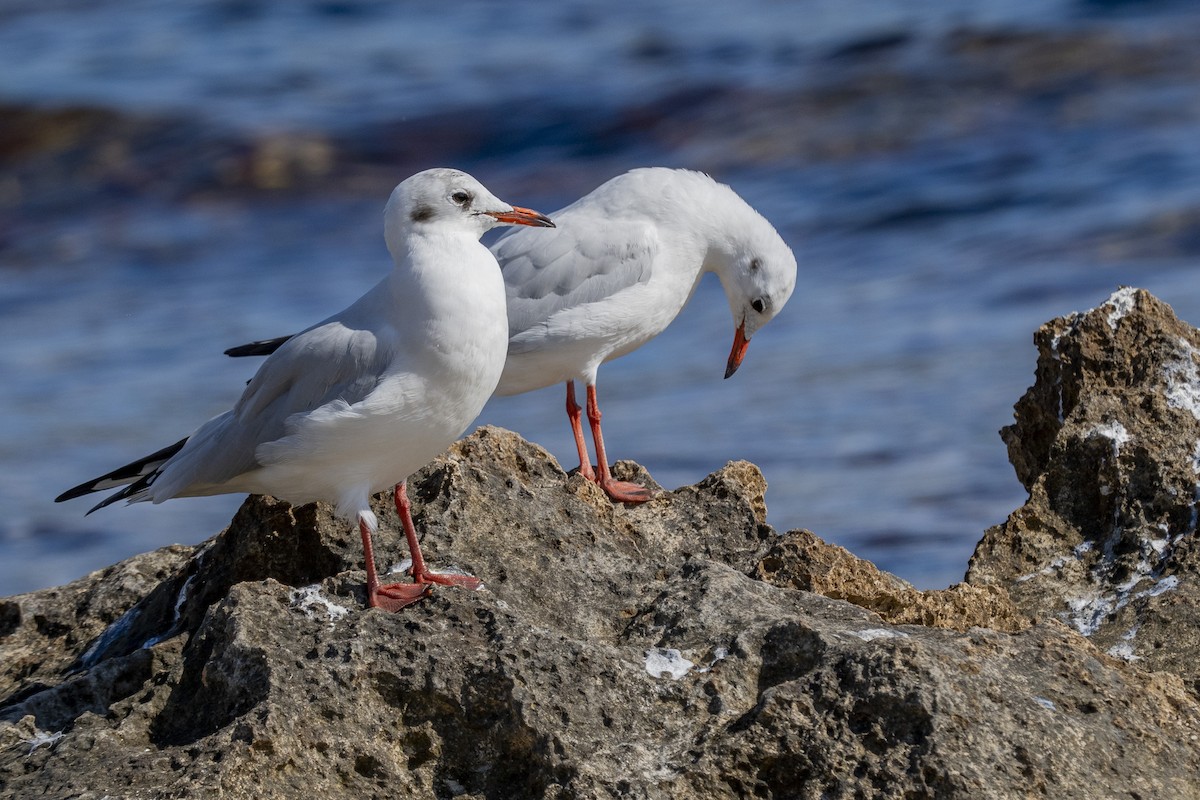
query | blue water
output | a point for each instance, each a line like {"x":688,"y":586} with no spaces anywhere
{"x":337,"y":63}
{"x":872,"y":403}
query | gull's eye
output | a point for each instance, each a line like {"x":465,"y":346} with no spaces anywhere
{"x":755,"y":264}
{"x":758,"y":305}
{"x":462,"y":198}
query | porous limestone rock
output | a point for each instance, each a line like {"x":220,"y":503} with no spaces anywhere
{"x":670,"y":650}
{"x":1107,"y":441}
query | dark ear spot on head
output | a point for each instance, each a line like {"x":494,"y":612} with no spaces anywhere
{"x":421,"y":214}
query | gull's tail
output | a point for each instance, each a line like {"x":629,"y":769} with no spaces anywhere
{"x":135,"y":478}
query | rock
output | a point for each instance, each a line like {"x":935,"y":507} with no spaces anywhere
{"x":45,"y":632}
{"x":677,"y":649}
{"x":1107,"y":441}
{"x":800,"y":560}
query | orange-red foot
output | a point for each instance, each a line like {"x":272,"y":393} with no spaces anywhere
{"x":624,"y":491}
{"x":395,"y":596}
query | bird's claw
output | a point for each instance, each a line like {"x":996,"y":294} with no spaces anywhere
{"x":625,"y":491}
{"x":395,"y":596}
{"x":456,"y":579}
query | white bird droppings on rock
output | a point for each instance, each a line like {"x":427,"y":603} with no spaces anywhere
{"x":719,"y":654}
{"x":1115,"y":432}
{"x":871,"y":634}
{"x":662,"y":661}
{"x":1122,"y":301}
{"x":42,"y":738}
{"x":310,"y":600}
{"x":1046,"y":704}
{"x":1182,"y":380}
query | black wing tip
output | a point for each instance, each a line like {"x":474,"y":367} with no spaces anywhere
{"x":263,"y":347}
{"x":126,"y":492}
{"x":76,"y":491}
{"x":133,"y":473}
{"x":89,"y":488}
{"x":121,"y":495}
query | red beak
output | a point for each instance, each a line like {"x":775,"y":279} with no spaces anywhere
{"x":522,"y":216}
{"x":740,"y":343}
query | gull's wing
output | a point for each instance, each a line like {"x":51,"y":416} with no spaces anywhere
{"x":330,"y":363}
{"x":586,"y":259}
{"x":325,"y":364}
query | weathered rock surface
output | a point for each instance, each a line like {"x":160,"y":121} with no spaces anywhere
{"x":1107,"y":442}
{"x":671,"y":650}
{"x":800,"y":560}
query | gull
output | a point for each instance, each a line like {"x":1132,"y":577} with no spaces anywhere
{"x":358,"y":402}
{"x":620,"y":265}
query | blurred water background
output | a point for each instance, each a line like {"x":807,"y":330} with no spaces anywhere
{"x":177,"y":178}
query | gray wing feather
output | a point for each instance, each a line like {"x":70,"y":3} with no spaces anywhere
{"x":324,"y":364}
{"x":579,"y":262}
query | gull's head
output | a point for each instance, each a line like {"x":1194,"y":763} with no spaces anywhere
{"x":450,"y":200}
{"x":758,"y":281}
{"x":756,"y":267}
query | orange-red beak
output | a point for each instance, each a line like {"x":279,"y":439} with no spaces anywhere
{"x":740,"y":343}
{"x":522,"y":216}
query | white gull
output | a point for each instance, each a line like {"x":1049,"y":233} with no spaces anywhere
{"x":358,"y":402}
{"x":622,"y":263}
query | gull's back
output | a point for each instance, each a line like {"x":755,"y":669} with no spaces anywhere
{"x":618,"y":268}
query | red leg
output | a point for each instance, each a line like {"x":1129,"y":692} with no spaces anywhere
{"x":421,"y":574}
{"x":576,"y":417}
{"x":621,"y":491}
{"x":394,"y":596}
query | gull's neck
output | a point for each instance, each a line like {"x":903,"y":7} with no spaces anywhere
{"x":449,"y":267}
{"x":438,"y":254}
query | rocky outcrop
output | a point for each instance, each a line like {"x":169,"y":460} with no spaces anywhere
{"x":1107,"y":441}
{"x":800,"y":560}
{"x":679,"y":649}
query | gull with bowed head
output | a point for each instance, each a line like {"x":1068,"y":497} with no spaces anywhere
{"x":358,"y":402}
{"x":621,"y":264}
